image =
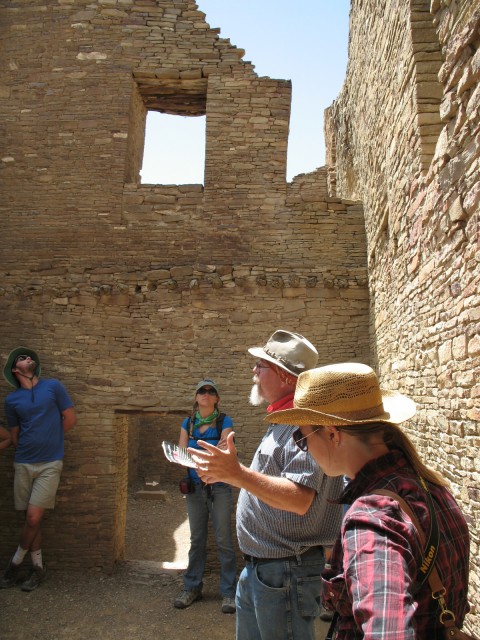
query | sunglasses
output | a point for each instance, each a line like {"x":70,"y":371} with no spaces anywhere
{"x":203,"y":391}
{"x":20,"y":358}
{"x":301,"y":440}
{"x":261,"y":365}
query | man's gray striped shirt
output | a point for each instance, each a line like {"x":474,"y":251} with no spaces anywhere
{"x":266,"y":532}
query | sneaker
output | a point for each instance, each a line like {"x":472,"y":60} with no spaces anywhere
{"x":228,"y":605}
{"x":11,"y":575}
{"x":36,"y":577}
{"x":186,"y":598}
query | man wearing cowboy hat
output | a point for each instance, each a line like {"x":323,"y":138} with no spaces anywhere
{"x":38,"y":414}
{"x":284,"y":518}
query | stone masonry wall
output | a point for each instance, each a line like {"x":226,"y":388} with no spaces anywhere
{"x":404,"y":139}
{"x":130,"y":292}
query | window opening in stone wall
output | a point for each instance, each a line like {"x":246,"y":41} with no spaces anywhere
{"x":174,"y":151}
{"x":172,"y":106}
{"x":428,"y":60}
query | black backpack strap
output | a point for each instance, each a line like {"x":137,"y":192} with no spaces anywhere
{"x":219,"y":424}
{"x":190,"y":432}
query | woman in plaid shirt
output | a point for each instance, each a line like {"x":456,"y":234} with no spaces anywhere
{"x":375,"y":561}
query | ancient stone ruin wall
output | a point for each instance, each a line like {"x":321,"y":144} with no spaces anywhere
{"x":132,"y":292}
{"x":404,"y":139}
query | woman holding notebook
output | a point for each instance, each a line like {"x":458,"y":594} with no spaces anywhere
{"x":203,"y":501}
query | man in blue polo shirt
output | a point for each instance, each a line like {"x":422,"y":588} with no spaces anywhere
{"x":38,"y":414}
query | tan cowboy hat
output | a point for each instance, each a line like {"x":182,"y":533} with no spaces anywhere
{"x":343,"y":394}
{"x":290,"y":351}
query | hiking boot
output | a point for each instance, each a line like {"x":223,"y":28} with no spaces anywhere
{"x":228,"y":605}
{"x":36,"y":577}
{"x":11,"y":575}
{"x":186,"y":598}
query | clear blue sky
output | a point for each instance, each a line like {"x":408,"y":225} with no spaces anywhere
{"x":303,"y":41}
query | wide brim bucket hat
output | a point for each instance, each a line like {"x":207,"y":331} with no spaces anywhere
{"x":343,"y":394}
{"x":7,"y":369}
{"x":290,"y":351}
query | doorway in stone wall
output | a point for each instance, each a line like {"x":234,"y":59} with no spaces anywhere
{"x":157,"y":529}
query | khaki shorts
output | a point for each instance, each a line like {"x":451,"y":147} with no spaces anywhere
{"x":36,"y":484}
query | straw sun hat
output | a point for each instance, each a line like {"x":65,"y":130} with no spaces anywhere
{"x":343,"y":394}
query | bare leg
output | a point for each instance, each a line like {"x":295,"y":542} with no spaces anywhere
{"x":31,"y":538}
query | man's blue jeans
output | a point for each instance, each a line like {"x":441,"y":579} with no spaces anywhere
{"x":214,"y":501}
{"x":279,"y":600}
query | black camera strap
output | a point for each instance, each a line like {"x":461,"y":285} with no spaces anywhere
{"x":331,"y":628}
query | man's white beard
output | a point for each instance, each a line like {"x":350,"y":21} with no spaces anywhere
{"x":256,"y":397}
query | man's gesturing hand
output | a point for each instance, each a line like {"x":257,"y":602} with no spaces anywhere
{"x":217,"y":465}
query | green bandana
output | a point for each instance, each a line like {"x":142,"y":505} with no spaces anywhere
{"x":199,"y":421}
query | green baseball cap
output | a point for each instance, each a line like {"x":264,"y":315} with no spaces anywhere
{"x":206,"y":383}
{"x":7,"y":369}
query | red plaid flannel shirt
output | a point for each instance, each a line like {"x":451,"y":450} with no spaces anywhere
{"x":376,"y":558}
